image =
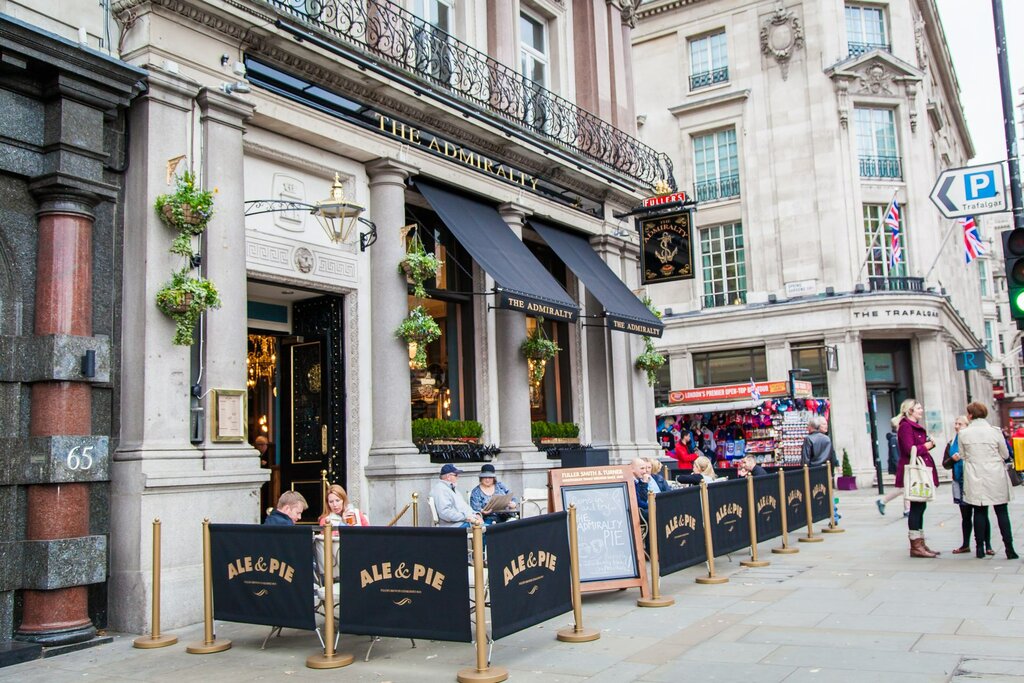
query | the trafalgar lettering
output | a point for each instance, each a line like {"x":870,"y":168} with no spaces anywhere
{"x":636,"y":327}
{"x":767,"y":503}
{"x":678,"y":522}
{"x":729,"y":509}
{"x":383,"y":572}
{"x":442,"y":147}
{"x":244,"y":565}
{"x":541,"y":559}
{"x":896,"y":313}
{"x":540,"y":309}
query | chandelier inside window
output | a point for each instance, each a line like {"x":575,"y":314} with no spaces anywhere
{"x":261,"y":360}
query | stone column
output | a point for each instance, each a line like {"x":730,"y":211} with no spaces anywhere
{"x":222,"y":118}
{"x":778,"y":359}
{"x":680,"y":364}
{"x":847,"y":424}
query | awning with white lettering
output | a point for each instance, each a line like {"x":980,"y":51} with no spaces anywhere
{"x":622,"y":309}
{"x":521,"y":282}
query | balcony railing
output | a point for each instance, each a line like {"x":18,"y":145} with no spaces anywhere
{"x":725,"y":299}
{"x":725,"y":187}
{"x":857,"y":49}
{"x":388,"y":35}
{"x":896,"y":284}
{"x":881,"y":167}
{"x":706,"y":78}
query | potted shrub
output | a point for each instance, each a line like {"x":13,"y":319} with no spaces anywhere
{"x":555,"y":433}
{"x":418,"y":266}
{"x":435,"y":431}
{"x":538,"y":350}
{"x":185,"y":298}
{"x":188,"y":209}
{"x":650,"y":361}
{"x":846,"y":481}
{"x":421,"y":329}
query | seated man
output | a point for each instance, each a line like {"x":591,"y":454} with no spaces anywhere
{"x":290,"y":507}
{"x":452,"y":508}
{"x":641,"y":481}
{"x":749,"y":466}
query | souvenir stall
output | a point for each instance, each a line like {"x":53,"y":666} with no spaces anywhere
{"x":765,"y":419}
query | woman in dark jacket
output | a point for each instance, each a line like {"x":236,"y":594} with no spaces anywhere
{"x":952,"y":460}
{"x":912,"y":433}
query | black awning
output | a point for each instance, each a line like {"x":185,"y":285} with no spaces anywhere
{"x":623,"y":310}
{"x":522,"y":283}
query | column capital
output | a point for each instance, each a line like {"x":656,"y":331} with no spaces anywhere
{"x":388,"y":171}
{"x":223,"y":108}
{"x":169,"y":89}
{"x":513,"y":211}
{"x":60,"y":193}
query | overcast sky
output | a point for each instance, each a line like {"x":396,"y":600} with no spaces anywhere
{"x":971,"y":38}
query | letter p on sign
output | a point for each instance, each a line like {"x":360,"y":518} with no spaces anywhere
{"x":980,"y":185}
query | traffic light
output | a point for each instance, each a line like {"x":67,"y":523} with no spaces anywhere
{"x":1013,"y":253}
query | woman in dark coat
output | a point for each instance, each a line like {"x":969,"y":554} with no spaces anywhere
{"x":912,"y":433}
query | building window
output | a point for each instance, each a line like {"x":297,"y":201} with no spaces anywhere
{"x":723,"y":265}
{"x":709,"y":61}
{"x":534,"y":64}
{"x":988,"y":337}
{"x":876,"y":143}
{"x":716,"y":166}
{"x":983,"y":276}
{"x":431,"y":35}
{"x":811,"y":357}
{"x":662,"y":385}
{"x":735,"y":366}
{"x":878,"y":244}
{"x":865,"y":29}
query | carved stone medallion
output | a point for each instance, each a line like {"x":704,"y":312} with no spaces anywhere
{"x":781,"y":36}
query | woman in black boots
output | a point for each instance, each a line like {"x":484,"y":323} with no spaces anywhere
{"x":952,"y":460}
{"x":985,"y":481}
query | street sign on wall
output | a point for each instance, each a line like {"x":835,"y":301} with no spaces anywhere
{"x":970,"y":191}
{"x":970,"y":359}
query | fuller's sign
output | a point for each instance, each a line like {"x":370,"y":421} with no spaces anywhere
{"x":667,"y":247}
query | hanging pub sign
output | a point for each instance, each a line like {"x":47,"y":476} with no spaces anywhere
{"x":666,"y":247}
{"x":680,"y":529}
{"x":262,"y":574}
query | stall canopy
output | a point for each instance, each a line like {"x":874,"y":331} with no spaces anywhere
{"x":623,"y":310}
{"x":521,"y":282}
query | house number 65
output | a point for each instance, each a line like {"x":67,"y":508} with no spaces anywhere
{"x":79,"y":458}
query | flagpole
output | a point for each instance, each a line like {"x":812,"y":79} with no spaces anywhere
{"x":945,"y":239}
{"x":881,"y":232}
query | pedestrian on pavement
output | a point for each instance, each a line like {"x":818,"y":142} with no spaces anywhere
{"x":817,"y":447}
{"x":912,"y":433}
{"x":985,"y":481}
{"x":953,"y":460}
{"x":894,"y":457}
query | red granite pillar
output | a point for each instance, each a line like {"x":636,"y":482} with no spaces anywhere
{"x":63,"y":306}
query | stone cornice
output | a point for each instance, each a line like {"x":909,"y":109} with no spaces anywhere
{"x":943,"y":66}
{"x":722,"y":100}
{"x":649,"y":9}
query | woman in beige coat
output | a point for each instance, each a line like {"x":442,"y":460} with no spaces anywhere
{"x":985,"y":481}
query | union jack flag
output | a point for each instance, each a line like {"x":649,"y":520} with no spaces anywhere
{"x":754,"y":393}
{"x":973,"y":246}
{"x":892,"y":220}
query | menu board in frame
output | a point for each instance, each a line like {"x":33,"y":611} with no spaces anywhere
{"x":229,"y":416}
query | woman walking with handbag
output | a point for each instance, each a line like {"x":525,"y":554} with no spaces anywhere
{"x":914,"y":466}
{"x":985,"y":480}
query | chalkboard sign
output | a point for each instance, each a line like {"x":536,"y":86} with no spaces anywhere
{"x":607,"y":525}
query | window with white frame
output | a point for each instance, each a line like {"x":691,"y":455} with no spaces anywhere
{"x":878,"y":244}
{"x":432,"y":39}
{"x":723,"y":265}
{"x":535,"y":65}
{"x":709,"y":61}
{"x":865,"y":29}
{"x":876,"y":143}
{"x":988,"y":337}
{"x":983,"y":276}
{"x":716,"y":166}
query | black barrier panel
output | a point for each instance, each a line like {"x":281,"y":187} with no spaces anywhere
{"x":528,"y":572}
{"x":727,"y":513}
{"x":263,"y":574}
{"x":605,"y":530}
{"x":680,"y":529}
{"x":796,"y":506}
{"x":768,"y":507}
{"x":819,"y":493}
{"x":404,"y":582}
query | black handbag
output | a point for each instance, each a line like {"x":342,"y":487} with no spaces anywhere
{"x":1014,"y":475}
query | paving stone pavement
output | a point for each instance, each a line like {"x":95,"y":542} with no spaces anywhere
{"x":855,"y":607}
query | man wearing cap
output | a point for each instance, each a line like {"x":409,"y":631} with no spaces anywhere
{"x":452,"y":508}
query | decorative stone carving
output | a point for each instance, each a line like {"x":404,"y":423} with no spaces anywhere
{"x":911,"y":90}
{"x":628,"y":10}
{"x":781,"y":36}
{"x":875,"y":80}
{"x":843,"y":99}
{"x":304,"y":260}
{"x":920,"y":44}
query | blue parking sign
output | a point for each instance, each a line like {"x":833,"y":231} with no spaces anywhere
{"x":980,"y":185}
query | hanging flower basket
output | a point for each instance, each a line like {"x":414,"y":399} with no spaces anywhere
{"x":418,"y":266}
{"x":185,"y":299}
{"x":421,"y":329}
{"x":650,"y":361}
{"x":537,"y":345}
{"x":188,"y":209}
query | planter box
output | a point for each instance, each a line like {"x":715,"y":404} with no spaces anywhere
{"x":584,"y":457}
{"x":552,"y":441}
{"x":846,"y":483}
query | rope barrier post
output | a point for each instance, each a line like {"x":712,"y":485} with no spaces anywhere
{"x":329,"y":659}
{"x":415,"y":509}
{"x":709,"y":548}
{"x":323,"y":493}
{"x":656,"y":600}
{"x":810,"y":537}
{"x":833,"y":525}
{"x":752,"y":515}
{"x":785,"y":549}
{"x":483,"y":673}
{"x":210,"y":642}
{"x":576,"y":634}
{"x":155,"y":639}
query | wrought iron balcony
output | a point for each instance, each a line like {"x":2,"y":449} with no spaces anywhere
{"x":857,"y":49}
{"x":707,"y":78}
{"x":726,"y":187}
{"x":386,"y":34}
{"x":896,"y":284}
{"x":881,"y":167}
{"x":725,"y":299}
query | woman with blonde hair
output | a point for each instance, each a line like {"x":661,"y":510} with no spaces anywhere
{"x":340,"y":511}
{"x":984,"y":455}
{"x":703,"y":470}
{"x":910,"y":435}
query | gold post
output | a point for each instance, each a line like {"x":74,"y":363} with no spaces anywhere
{"x":652,"y":539}
{"x":155,"y":639}
{"x":415,"y":509}
{"x":329,"y":659}
{"x":752,"y":514}
{"x":709,"y":548}
{"x":785,"y":549}
{"x":482,"y":673}
{"x":833,"y":527}
{"x":323,"y":493}
{"x":576,"y":634}
{"x":210,"y":643}
{"x":810,"y":537}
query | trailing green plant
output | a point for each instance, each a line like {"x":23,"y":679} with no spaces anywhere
{"x":188,"y":209}
{"x":650,"y":361}
{"x":418,"y":266}
{"x":421,"y":329}
{"x":185,"y":298}
{"x":537,"y":346}
{"x":847,"y":469}
{"x":554,"y":430}
{"x":425,"y":429}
